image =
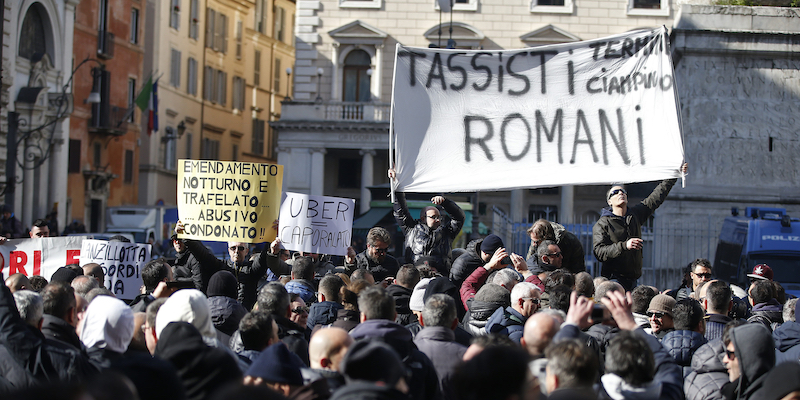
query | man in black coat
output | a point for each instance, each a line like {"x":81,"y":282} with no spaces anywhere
{"x":28,"y":347}
{"x":247,"y":272}
{"x":375,"y":258}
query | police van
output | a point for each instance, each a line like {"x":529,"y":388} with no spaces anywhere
{"x":760,"y":236}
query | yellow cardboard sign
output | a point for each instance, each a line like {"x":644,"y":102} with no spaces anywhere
{"x":229,"y":201}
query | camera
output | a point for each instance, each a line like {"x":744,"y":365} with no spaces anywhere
{"x":506,"y":260}
{"x":598,"y":312}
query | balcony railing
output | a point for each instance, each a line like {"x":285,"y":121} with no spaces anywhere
{"x":113,"y":123}
{"x":335,"y":111}
{"x":105,"y":45}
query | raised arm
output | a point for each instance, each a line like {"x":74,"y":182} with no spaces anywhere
{"x":401,"y":214}
{"x":456,"y":214}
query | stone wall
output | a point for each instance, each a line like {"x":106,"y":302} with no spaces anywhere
{"x":738,"y":78}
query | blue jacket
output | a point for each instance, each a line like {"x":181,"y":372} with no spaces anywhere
{"x":787,"y":342}
{"x":681,"y":345}
{"x":322,"y":313}
{"x":304,"y":288}
{"x":715,"y":325}
{"x":508,"y":322}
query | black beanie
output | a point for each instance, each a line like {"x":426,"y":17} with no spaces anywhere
{"x":491,"y":243}
{"x":373,"y":361}
{"x":63,"y":274}
{"x":223,"y":283}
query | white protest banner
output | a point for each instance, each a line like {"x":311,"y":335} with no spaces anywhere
{"x":316,"y":224}
{"x":590,"y":112}
{"x":122,"y":264}
{"x":42,"y":256}
{"x":229,"y":201}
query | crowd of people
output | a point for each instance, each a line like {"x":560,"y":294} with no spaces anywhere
{"x":474,"y":323}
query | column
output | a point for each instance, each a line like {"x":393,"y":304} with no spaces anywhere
{"x":517,"y":212}
{"x":366,"y":177}
{"x":317,"y":171}
{"x":567,"y":204}
{"x":336,"y":75}
{"x":377,"y":74}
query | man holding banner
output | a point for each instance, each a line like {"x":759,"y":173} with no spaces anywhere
{"x":248,"y":272}
{"x":617,"y":235}
{"x":432,"y":234}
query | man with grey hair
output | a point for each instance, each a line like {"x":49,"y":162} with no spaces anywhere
{"x":787,"y":347}
{"x":30,"y":307}
{"x":437,"y":340}
{"x":506,"y":278}
{"x":375,"y":258}
{"x":83,"y":284}
{"x":511,"y":320}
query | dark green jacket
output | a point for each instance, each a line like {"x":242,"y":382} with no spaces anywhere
{"x":612,"y":231}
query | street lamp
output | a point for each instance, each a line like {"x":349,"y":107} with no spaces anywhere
{"x":288,"y":83}
{"x":319,"y":82}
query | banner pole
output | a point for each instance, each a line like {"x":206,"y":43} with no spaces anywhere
{"x":668,"y":51}
{"x":392,"y":182}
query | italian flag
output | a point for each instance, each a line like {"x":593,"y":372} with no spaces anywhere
{"x":148,"y":101}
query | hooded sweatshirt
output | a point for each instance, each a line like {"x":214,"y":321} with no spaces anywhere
{"x":108,"y":325}
{"x":191,"y":305}
{"x":787,"y":342}
{"x":755,"y":350}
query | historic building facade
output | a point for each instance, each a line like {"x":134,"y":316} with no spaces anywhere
{"x":333,"y":137}
{"x":221,"y":69}
{"x":36,"y":100}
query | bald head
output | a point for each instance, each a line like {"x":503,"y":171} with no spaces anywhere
{"x":17,"y":282}
{"x":540,"y":329}
{"x":327,"y":348}
{"x":95,"y":271}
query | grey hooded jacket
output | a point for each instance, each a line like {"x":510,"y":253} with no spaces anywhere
{"x":709,"y":373}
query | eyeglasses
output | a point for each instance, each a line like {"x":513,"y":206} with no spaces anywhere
{"x":380,"y":250}
{"x":705,"y":275}
{"x":300,"y":310}
{"x":656,"y":315}
{"x":240,"y":248}
{"x":616,"y":192}
{"x":731,"y":355}
{"x":434,"y":217}
{"x":533,"y":300}
{"x":556,"y":254}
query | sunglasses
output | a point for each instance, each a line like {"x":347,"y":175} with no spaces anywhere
{"x":656,"y":315}
{"x":434,"y":217}
{"x":616,"y":192}
{"x":703,"y":275}
{"x":532,"y":299}
{"x":240,"y":248}
{"x":556,"y":254}
{"x":300,"y":310}
{"x":731,"y":355}
{"x":379,"y":250}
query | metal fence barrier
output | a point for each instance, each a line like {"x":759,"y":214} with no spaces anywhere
{"x":669,"y":245}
